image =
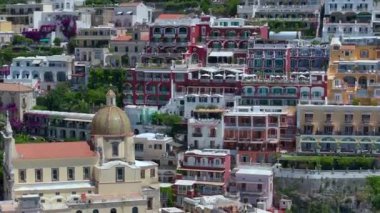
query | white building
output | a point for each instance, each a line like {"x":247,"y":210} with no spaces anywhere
{"x":61,"y":5}
{"x":215,"y":203}
{"x":130,"y":14}
{"x":206,"y":129}
{"x":347,"y":18}
{"x":48,"y":70}
{"x":155,"y":147}
{"x":140,"y":117}
{"x":253,"y":185}
{"x":376,"y":18}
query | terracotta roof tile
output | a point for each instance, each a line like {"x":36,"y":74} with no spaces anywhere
{"x":123,"y":38}
{"x":14,"y":87}
{"x":56,"y":150}
{"x":170,"y":16}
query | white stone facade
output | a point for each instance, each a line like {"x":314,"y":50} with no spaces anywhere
{"x":49,"y":70}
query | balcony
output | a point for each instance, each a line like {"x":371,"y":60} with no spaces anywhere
{"x":274,"y":124}
{"x":245,"y":124}
{"x":251,"y":192}
{"x":211,"y":192}
{"x":230,"y":124}
{"x":259,"y":125}
{"x":185,"y":165}
{"x":203,"y":178}
{"x":197,"y":134}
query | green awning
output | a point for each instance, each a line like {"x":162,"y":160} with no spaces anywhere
{"x":46,"y":40}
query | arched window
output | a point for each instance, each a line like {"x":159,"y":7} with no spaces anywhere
{"x":135,"y":210}
{"x":113,"y":210}
{"x":79,"y":211}
{"x":95,"y":211}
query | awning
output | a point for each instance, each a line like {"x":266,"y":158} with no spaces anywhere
{"x":221,"y":54}
{"x":184,"y":182}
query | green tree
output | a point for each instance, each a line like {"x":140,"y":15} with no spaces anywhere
{"x":231,"y":6}
{"x":21,"y":40}
{"x":57,"y":42}
{"x":71,"y":45}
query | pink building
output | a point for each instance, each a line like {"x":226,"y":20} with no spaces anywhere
{"x":202,"y":172}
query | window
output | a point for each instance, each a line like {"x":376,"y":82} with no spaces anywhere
{"x":136,"y":49}
{"x":150,"y":203}
{"x":158,"y":146}
{"x":119,"y":174}
{"x":59,"y":200}
{"x":328,"y":117}
{"x":115,"y":149}
{"x":348,"y":118}
{"x":309,"y":117}
{"x":142,"y":174}
{"x":38,"y":174}
{"x":126,"y":49}
{"x":79,"y":211}
{"x":86,"y":173}
{"x":95,"y":211}
{"x":22,"y":175}
{"x":203,"y":99}
{"x":113,"y":210}
{"x":366,"y":118}
{"x":54,"y":174}
{"x":139,"y":147}
{"x":135,"y":210}
{"x":364,"y":54}
{"x":152,"y":173}
{"x":57,"y":193}
{"x":116,"y":49}
{"x":70,"y":173}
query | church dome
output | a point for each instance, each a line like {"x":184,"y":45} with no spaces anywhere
{"x":110,"y":120}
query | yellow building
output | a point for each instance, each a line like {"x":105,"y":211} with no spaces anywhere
{"x":5,"y":26}
{"x":100,"y":175}
{"x":338,"y":129}
{"x":353,"y":71}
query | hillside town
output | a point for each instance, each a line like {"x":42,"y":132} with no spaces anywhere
{"x":208,"y":106}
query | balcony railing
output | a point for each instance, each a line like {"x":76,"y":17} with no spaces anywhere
{"x":197,"y":134}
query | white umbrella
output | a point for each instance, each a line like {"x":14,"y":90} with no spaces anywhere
{"x":302,"y":76}
{"x":231,"y":75}
{"x":205,"y":75}
{"x":218,"y":75}
{"x":278,"y":76}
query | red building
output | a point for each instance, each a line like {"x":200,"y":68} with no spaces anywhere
{"x":202,"y":172}
{"x":205,"y":40}
{"x":153,"y":86}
